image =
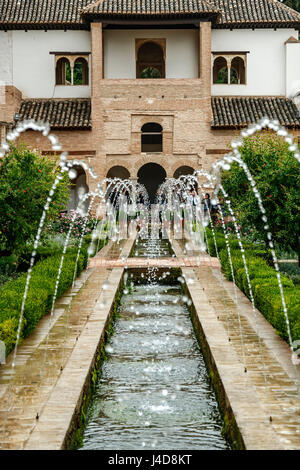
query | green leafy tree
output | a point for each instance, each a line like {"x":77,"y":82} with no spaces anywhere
{"x":150,"y":72}
{"x":277,"y":175}
{"x":295,"y":4}
{"x":223,"y":76}
{"x":25,"y":181}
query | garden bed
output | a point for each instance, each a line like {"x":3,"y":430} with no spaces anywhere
{"x":264,"y":282}
{"x":40,"y":293}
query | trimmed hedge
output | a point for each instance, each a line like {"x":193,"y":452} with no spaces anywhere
{"x":40,"y":294}
{"x":44,"y":252}
{"x":264,"y":282}
{"x":291,"y":270}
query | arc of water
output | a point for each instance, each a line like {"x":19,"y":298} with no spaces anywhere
{"x":44,"y":128}
{"x":193,"y":177}
{"x":82,"y":198}
{"x":235,"y":156}
{"x":225,"y":164}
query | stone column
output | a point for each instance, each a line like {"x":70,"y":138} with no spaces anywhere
{"x":205,"y":56}
{"x":228,"y":71}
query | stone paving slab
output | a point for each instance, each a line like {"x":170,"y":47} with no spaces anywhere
{"x":178,"y":262}
{"x":56,"y":418}
{"x":238,"y":337}
{"x":265,"y":400}
{"x":53,"y":425}
{"x":39,"y":362}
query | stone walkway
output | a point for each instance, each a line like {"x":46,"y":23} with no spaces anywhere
{"x":201,"y":260}
{"x":40,"y":363}
{"x":265,"y":398}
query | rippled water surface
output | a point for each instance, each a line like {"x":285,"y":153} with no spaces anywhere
{"x":152,"y":248}
{"x":154,"y":391}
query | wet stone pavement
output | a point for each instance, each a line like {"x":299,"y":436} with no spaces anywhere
{"x":39,"y":359}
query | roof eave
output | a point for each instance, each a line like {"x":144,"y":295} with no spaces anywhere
{"x":44,"y":26}
{"x":259,"y":24}
{"x":214,"y":17}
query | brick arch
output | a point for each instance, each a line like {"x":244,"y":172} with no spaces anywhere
{"x":118,"y":171}
{"x":143,"y":160}
{"x":118,"y":162}
{"x":180,"y":163}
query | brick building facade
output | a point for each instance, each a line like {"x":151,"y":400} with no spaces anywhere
{"x":101,"y":119}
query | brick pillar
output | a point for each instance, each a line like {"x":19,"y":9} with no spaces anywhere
{"x":99,"y":163}
{"x":205,"y":75}
{"x":205,"y":56}
{"x":97,"y":57}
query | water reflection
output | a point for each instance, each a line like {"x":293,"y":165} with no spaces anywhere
{"x":154,"y":390}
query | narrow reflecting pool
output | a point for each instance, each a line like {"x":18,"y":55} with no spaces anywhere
{"x":154,"y":390}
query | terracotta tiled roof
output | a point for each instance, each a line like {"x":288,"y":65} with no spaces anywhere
{"x":60,"y":113}
{"x":230,"y":112}
{"x":245,"y":13}
{"x":67,"y":13}
{"x":41,"y":12}
{"x":241,"y":111}
{"x":150,"y":7}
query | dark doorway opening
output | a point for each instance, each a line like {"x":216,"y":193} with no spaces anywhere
{"x":183,"y":170}
{"x":78,"y":187}
{"x":118,"y":171}
{"x":151,"y":176}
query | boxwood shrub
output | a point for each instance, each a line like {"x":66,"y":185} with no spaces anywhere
{"x":40,"y":294}
{"x":264,"y":282}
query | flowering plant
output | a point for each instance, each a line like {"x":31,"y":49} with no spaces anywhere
{"x":80,"y":224}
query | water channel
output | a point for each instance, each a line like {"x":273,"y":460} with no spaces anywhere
{"x":154,"y":390}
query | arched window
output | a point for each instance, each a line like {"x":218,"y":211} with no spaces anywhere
{"x":238,"y":71}
{"x":63,"y":72}
{"x":81,"y":72}
{"x":152,"y":138}
{"x":220,"y":71}
{"x":229,"y":68}
{"x":150,"y":61}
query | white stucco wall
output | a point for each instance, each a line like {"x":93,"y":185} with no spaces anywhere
{"x":181,"y":52}
{"x":33,"y":66}
{"x":6,"y":69}
{"x":25,"y":61}
{"x":292,"y":68}
{"x":265,"y":62}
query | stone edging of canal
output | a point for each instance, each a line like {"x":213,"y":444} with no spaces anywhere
{"x":246,"y":423}
{"x":62,"y":415}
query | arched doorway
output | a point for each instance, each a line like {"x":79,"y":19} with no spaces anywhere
{"x":151,"y":175}
{"x":183,"y":170}
{"x":118,"y":171}
{"x":78,"y":187}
